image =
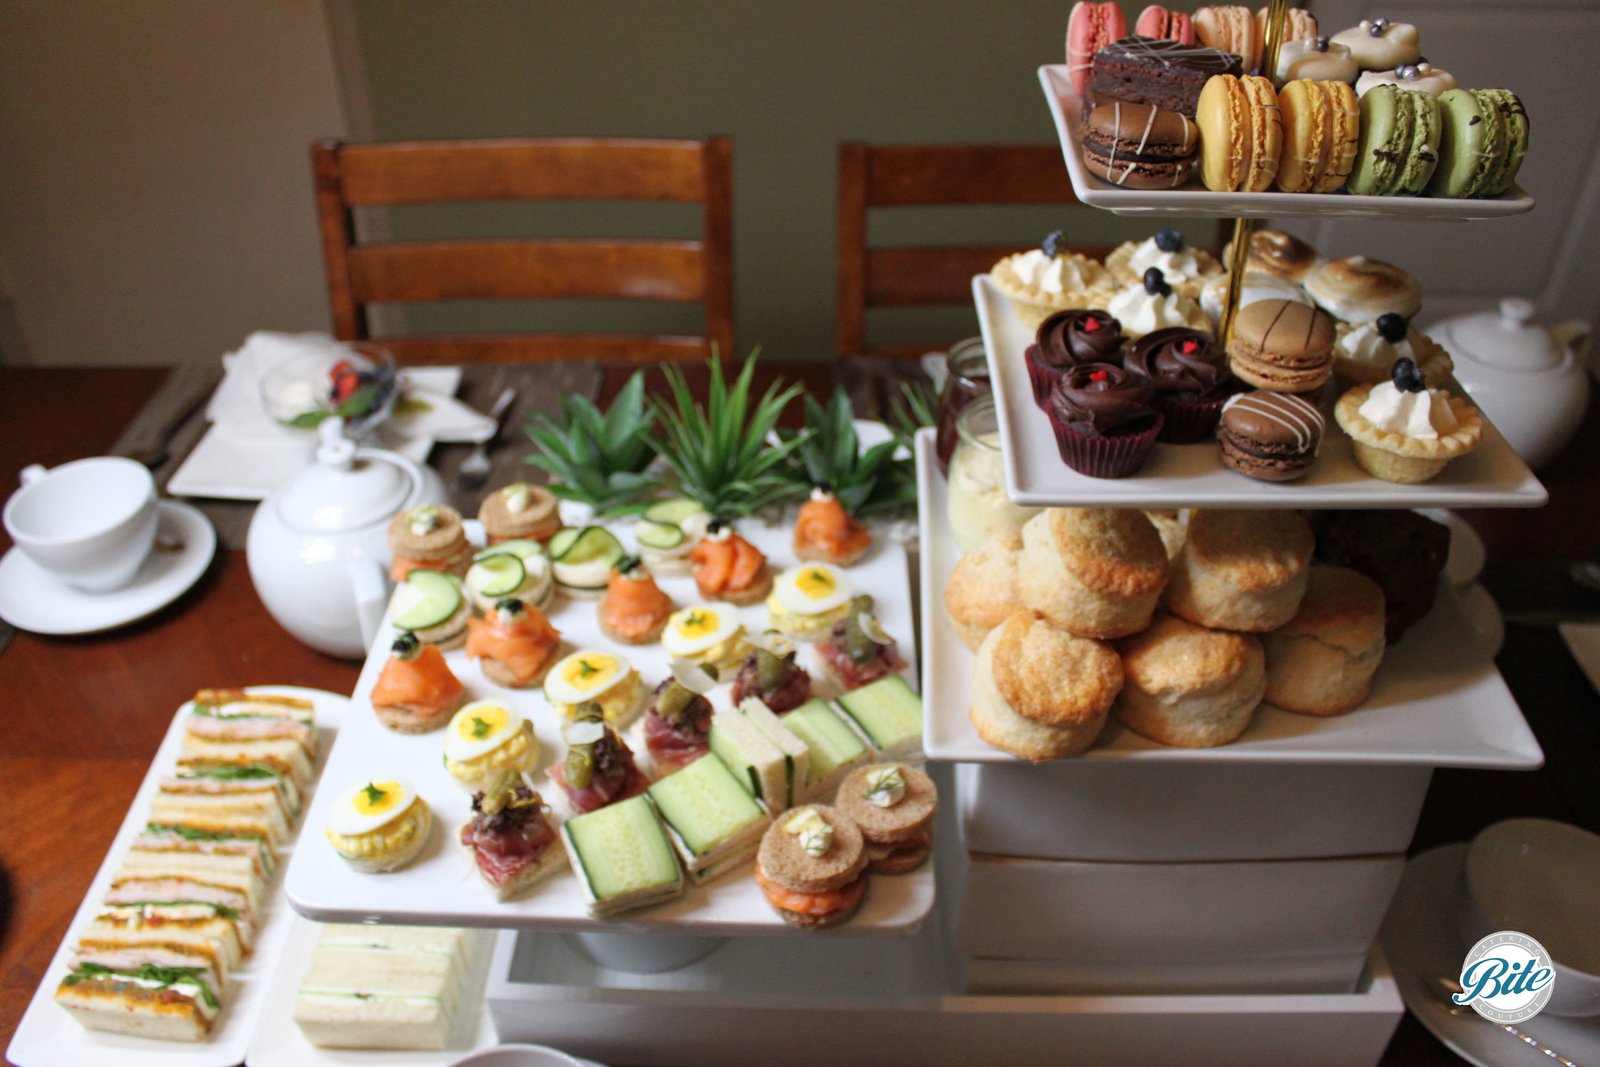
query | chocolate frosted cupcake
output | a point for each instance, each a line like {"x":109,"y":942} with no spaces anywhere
{"x":1190,"y":374}
{"x":1066,"y":339}
{"x":1103,"y":419}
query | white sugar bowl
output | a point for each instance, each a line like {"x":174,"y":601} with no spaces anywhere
{"x":318,"y":545}
{"x":1532,"y":381}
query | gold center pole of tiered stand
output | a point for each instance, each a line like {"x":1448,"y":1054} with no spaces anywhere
{"x":1277,"y":12}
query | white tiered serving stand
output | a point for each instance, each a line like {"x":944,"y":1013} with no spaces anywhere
{"x":1332,"y":793}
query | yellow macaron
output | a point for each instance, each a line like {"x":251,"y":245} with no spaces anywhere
{"x":1320,"y":131}
{"x":1241,"y":135}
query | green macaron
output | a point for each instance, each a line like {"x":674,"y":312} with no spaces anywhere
{"x":1515,"y":117}
{"x":1475,"y":145}
{"x":1399,"y":145}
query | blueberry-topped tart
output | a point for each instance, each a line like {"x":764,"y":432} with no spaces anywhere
{"x":1104,"y":419}
{"x":1068,"y":338}
{"x":1190,"y":374}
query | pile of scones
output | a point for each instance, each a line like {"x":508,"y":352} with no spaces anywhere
{"x":1179,"y":625}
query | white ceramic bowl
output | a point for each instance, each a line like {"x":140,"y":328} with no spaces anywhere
{"x":1542,"y":878}
{"x":518,"y":1056}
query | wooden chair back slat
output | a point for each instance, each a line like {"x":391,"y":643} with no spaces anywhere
{"x":904,"y":175}
{"x":529,"y":269}
{"x":424,"y":172}
{"x":358,"y":274}
{"x":544,"y":348}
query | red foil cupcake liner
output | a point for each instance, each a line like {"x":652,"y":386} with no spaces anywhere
{"x":1042,"y":378}
{"x":1115,"y":455}
{"x":1189,"y":422}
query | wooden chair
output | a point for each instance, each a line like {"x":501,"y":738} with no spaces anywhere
{"x":349,"y":176}
{"x":881,"y":176}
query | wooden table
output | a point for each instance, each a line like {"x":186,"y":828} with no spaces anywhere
{"x":82,"y":716}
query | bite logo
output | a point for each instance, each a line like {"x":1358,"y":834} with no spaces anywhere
{"x":1507,"y":977}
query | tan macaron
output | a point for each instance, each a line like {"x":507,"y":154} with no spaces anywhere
{"x":1282,"y":345}
{"x":1321,"y":662}
{"x":1189,"y":686}
{"x":981,"y":591}
{"x":519,"y":510}
{"x":1039,"y":692}
{"x":1241,"y":569}
{"x":1094,"y":572}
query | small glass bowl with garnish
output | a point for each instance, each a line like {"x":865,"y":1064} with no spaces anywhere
{"x":358,"y":384}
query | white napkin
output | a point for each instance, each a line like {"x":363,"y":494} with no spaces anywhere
{"x":237,"y":409}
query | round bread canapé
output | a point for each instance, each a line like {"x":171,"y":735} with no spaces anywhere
{"x":813,"y":891}
{"x":893,"y":804}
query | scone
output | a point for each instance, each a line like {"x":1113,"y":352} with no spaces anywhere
{"x":1094,"y":572}
{"x":1188,"y":686}
{"x":1173,"y":526}
{"x":981,"y":591}
{"x":1039,"y":692}
{"x":1322,"y":661}
{"x":1241,"y":570}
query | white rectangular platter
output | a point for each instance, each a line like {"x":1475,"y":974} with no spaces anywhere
{"x":1438,"y":700}
{"x":1492,"y":475}
{"x":440,"y":888}
{"x":278,"y":1042}
{"x":1196,"y":201}
{"x":223,"y":466}
{"x":48,"y":1036}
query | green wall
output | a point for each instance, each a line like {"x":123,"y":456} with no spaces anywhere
{"x":786,"y":81}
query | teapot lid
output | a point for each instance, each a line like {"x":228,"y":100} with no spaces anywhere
{"x":1503,"y":338}
{"x":346,"y":488}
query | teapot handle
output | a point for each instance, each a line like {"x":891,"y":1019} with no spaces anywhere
{"x":371,"y":593}
{"x":1573,"y":335}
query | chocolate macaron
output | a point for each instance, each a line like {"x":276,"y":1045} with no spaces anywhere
{"x":1140,"y":146}
{"x":1270,"y":436}
{"x":1282,"y":345}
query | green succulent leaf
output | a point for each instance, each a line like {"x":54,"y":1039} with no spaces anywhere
{"x":723,"y":453}
{"x":829,"y":452}
{"x":594,"y":457}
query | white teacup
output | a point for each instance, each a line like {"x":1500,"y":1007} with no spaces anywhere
{"x":90,"y":523}
{"x":1541,"y":878}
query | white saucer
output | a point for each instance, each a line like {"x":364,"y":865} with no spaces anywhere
{"x":1420,"y":939}
{"x":32,"y":599}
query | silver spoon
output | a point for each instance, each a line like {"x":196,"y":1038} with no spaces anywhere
{"x":1449,"y":987}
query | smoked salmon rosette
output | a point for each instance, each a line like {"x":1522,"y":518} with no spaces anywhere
{"x":514,"y":644}
{"x":825,"y":533}
{"x":416,"y":691}
{"x":727,"y":567}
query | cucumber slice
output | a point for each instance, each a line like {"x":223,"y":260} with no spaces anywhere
{"x":563,"y":540}
{"x":519,"y":547}
{"x":704,"y":804}
{"x":651,"y":534}
{"x":499,"y":574}
{"x":591,"y":543}
{"x":888,"y":712}
{"x":833,"y":744}
{"x":672,"y":512}
{"x":621,"y":850}
{"x":426,"y":599}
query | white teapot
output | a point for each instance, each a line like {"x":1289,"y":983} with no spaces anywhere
{"x":318,"y":545}
{"x":1532,"y":382}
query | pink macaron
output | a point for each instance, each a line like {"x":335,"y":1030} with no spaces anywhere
{"x":1090,"y":27}
{"x":1157,"y":21}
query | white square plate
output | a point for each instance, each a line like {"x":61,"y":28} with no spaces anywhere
{"x":1438,"y":700}
{"x":1180,"y":476}
{"x":223,"y":466}
{"x":1196,"y":201}
{"x":441,"y":889}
